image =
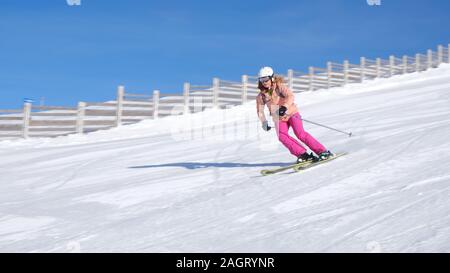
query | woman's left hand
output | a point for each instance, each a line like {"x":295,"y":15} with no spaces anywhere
{"x":284,"y":118}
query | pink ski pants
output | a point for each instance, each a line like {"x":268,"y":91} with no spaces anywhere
{"x":292,"y":144}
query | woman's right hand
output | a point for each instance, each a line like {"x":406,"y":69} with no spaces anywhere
{"x":265,"y":126}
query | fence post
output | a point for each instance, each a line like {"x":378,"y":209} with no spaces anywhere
{"x":26,"y":119}
{"x":405,"y":64}
{"x":311,"y":78}
{"x":417,"y":62}
{"x":290,"y":75}
{"x":80,"y":117}
{"x":244,"y":88}
{"x":448,"y":54}
{"x":363,"y":68}
{"x":120,"y":95}
{"x":329,"y":75}
{"x":391,"y":65}
{"x":430,"y":58}
{"x":216,"y":87}
{"x":186,"y":88}
{"x":440,"y":54}
{"x":155,"y":104}
{"x":345,"y":72}
{"x":378,"y":67}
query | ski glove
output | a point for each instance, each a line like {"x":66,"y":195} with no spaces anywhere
{"x":282,"y":111}
{"x":266,"y":126}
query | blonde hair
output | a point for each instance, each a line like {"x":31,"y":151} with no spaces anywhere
{"x":278,"y":80}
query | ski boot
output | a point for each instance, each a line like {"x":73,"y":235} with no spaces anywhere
{"x":305,"y":157}
{"x":325,"y":155}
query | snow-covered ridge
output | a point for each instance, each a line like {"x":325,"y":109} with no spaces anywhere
{"x":191,"y":183}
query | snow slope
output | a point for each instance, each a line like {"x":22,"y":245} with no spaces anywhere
{"x":191,"y":183}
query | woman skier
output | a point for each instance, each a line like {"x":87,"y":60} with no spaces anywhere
{"x":280,"y":101}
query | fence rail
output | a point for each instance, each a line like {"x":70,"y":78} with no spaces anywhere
{"x":128,"y":108}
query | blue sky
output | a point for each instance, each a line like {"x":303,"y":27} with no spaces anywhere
{"x":81,"y":53}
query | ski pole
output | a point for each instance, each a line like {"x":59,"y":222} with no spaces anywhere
{"x":318,"y":124}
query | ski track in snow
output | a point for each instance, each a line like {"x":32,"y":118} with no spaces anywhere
{"x":151,"y":187}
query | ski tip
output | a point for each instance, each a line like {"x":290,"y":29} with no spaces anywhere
{"x":340,"y":154}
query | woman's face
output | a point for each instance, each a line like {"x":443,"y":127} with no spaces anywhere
{"x":267,"y":83}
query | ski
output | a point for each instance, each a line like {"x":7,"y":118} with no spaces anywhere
{"x":281,"y":169}
{"x":313,"y":164}
{"x":300,"y":166}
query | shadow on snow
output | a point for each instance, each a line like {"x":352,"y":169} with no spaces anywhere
{"x":200,"y":165}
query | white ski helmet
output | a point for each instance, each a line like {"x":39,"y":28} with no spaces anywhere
{"x":265,"y":72}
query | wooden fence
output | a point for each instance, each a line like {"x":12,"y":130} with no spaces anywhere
{"x":128,"y":108}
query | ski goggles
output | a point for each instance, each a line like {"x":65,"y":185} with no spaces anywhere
{"x":264,"y":79}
